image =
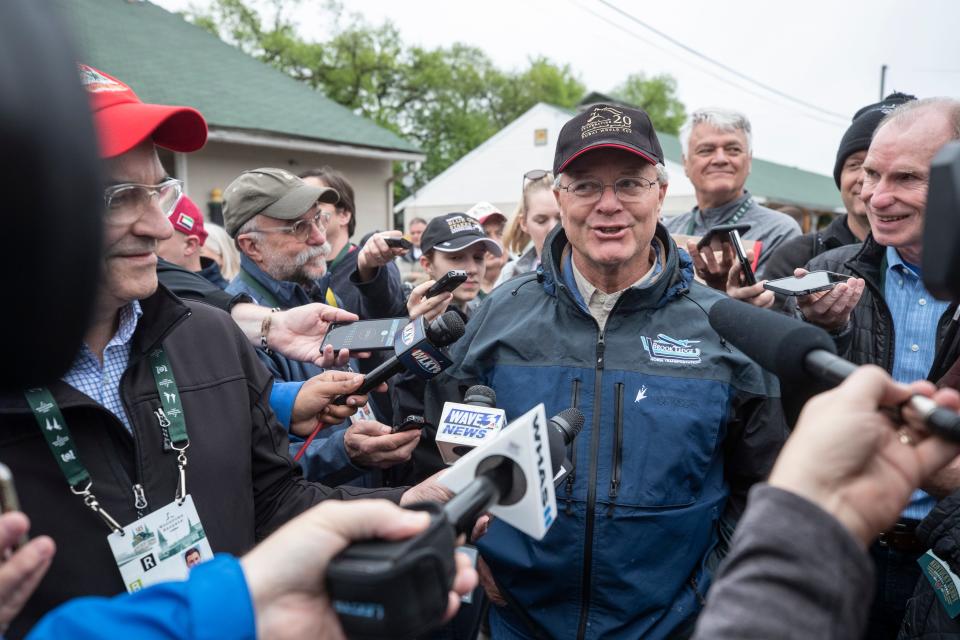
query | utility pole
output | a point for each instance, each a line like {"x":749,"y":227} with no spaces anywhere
{"x":883,"y":81}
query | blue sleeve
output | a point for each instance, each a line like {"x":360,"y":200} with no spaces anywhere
{"x":326,"y":460}
{"x":282,"y":397}
{"x":213,"y":603}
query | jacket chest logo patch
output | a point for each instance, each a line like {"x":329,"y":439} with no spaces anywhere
{"x":663,"y":348}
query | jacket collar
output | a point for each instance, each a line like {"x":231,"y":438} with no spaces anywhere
{"x":162,"y":311}
{"x":674,"y":281}
{"x":838,"y":234}
{"x":868,"y":263}
{"x":288,"y":294}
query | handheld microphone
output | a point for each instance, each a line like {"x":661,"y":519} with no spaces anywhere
{"x":399,"y":589}
{"x":465,"y":425}
{"x":416,"y":348}
{"x":797,"y":352}
{"x":566,"y":424}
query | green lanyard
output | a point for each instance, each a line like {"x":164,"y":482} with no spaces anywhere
{"x":734,"y":219}
{"x":347,"y":249}
{"x":54,"y":428}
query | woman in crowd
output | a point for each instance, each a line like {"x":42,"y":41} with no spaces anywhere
{"x":536,"y":215}
{"x":219,"y":247}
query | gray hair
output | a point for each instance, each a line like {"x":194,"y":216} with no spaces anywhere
{"x":910,"y":112}
{"x":250,"y":226}
{"x":723,"y":119}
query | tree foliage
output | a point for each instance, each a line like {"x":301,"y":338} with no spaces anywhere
{"x":446,"y":100}
{"x":657,"y":96}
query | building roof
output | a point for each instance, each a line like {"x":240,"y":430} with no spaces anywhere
{"x":777,"y":182}
{"x":167,"y":60}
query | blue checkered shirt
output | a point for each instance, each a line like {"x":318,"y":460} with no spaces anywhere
{"x":916,"y":314}
{"x":102,"y":382}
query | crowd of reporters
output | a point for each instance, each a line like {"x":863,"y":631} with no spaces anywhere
{"x":584,"y":298}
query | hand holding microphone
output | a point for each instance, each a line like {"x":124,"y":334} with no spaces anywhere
{"x":399,"y":589}
{"x":800,"y":353}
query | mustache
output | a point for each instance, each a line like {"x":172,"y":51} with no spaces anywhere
{"x":132,"y":247}
{"x":310,"y":253}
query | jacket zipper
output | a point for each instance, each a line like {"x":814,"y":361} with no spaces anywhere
{"x":591,"y":492}
{"x":139,"y":500}
{"x":617,"y":446}
{"x":572,"y":450}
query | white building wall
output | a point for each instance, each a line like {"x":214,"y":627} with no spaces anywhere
{"x":494,"y":171}
{"x":218,"y":163}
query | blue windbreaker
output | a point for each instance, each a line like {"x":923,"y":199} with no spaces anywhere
{"x":676,"y":420}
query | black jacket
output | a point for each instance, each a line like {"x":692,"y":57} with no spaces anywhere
{"x":194,"y":286}
{"x":239,"y":472}
{"x":940,"y":531}
{"x":380,"y":297}
{"x":870,"y":338}
{"x":797,"y":252}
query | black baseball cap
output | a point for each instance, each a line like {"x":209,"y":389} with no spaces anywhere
{"x":453,"y":232}
{"x":610,"y":126}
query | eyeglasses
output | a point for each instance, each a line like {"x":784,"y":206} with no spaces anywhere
{"x":533,"y":175}
{"x":301,"y":229}
{"x":127,"y":201}
{"x":627,"y":189}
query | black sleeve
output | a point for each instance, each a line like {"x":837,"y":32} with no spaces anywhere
{"x":191,"y":286}
{"x":382,"y":296}
{"x":756,"y":434}
{"x":793,"y":253}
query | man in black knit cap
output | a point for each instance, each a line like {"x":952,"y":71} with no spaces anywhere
{"x":853,"y":226}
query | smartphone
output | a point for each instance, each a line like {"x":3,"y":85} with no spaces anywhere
{"x":747,"y":276}
{"x":721,"y":229}
{"x":364,"y":335}
{"x":447,"y":282}
{"x":8,"y":499}
{"x":810,"y":283}
{"x":399,"y":243}
{"x":409,"y":423}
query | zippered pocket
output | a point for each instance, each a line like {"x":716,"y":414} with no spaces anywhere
{"x":572,"y":447}
{"x":617,"y":446}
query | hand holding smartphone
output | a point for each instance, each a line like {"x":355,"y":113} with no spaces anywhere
{"x":363,"y":335}
{"x":447,"y":282}
{"x":805,"y":285}
{"x":730,"y":233}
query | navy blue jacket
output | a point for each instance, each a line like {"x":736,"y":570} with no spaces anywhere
{"x":678,"y":427}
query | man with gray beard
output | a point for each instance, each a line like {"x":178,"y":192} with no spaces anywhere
{"x":276,"y":221}
{"x":278,"y":224}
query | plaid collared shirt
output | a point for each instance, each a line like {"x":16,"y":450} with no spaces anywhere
{"x":102,"y":382}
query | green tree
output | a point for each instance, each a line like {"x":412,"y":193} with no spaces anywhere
{"x":446,"y":100}
{"x":656,"y":96}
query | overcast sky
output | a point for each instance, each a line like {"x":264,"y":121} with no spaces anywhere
{"x":824,"y":53}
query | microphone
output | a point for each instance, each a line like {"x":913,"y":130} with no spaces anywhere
{"x":465,"y":425}
{"x":797,"y":352}
{"x":416,"y":348}
{"x":563,"y":427}
{"x":400,"y":589}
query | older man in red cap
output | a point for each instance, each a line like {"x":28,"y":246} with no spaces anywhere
{"x":183,"y":247}
{"x":160,"y":437}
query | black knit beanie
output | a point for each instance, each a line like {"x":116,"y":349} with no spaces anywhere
{"x":865,"y":121}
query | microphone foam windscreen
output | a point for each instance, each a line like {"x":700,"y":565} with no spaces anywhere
{"x":446,"y":329}
{"x":776,"y":342}
{"x":480,"y":394}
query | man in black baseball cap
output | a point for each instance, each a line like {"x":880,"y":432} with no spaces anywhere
{"x":614,"y":323}
{"x":454,"y":232}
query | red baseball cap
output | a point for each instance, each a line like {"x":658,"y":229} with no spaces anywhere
{"x":188,"y":220}
{"x":123,"y":121}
